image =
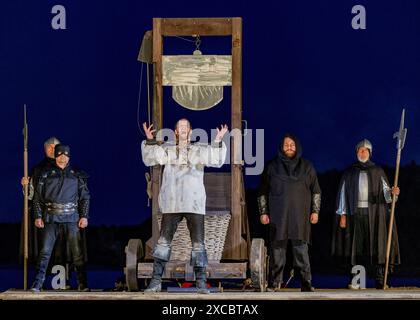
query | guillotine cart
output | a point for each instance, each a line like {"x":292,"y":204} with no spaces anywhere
{"x":227,"y":238}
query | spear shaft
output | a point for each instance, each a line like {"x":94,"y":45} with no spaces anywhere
{"x":391,"y":219}
{"x":25,"y":203}
{"x":400,"y":135}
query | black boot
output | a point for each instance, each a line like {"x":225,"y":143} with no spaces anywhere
{"x":155,"y":284}
{"x":82,"y":279}
{"x":37,"y":285}
{"x":201,"y":280}
{"x":306,"y":286}
{"x":275,"y":287}
{"x":380,"y":277}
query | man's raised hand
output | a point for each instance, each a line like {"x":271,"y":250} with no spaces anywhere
{"x":148,"y":131}
{"x":221,"y":132}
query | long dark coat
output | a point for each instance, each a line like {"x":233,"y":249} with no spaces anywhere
{"x":289,"y":185}
{"x":379,"y":213}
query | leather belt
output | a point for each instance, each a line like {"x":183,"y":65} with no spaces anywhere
{"x":61,"y":208}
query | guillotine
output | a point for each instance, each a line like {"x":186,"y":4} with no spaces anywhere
{"x":225,"y":191}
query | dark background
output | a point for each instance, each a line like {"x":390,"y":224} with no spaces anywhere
{"x":305,"y":70}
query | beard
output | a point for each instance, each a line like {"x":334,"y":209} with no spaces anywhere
{"x":362,"y":160}
{"x":290,"y":154}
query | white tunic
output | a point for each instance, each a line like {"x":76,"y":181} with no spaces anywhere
{"x":182,"y":189}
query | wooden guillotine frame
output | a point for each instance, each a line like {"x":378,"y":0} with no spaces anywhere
{"x":236,"y":248}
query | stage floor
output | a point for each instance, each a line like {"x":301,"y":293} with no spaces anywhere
{"x":286,"y":294}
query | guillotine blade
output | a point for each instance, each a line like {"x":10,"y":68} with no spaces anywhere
{"x":197,"y":97}
{"x":197,"y":80}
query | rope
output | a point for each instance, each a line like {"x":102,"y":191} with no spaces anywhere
{"x":138,"y":102}
{"x":148,"y":94}
{"x":189,"y":40}
{"x":147,"y":175}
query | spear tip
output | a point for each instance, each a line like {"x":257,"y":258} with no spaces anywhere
{"x":402,"y":119}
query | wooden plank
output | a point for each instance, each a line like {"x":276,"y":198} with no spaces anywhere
{"x":197,"y":70}
{"x":157,"y":81}
{"x":235,"y":241}
{"x":157,"y":123}
{"x":228,"y":294}
{"x":219,"y":179}
{"x":245,"y":223}
{"x":175,"y":270}
{"x":197,"y":26}
{"x":217,"y":190}
{"x":218,"y":202}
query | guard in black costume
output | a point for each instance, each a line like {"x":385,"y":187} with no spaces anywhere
{"x":61,"y":201}
{"x":362,"y":216}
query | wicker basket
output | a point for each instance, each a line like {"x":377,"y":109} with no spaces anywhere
{"x":215,"y":227}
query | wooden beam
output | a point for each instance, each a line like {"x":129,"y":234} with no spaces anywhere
{"x":157,"y":121}
{"x":197,"y":26}
{"x":178,"y":270}
{"x":236,"y":250}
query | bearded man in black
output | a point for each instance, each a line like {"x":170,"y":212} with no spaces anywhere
{"x":289,"y":200}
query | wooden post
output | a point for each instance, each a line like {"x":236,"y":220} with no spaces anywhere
{"x":157,"y":124}
{"x":235,"y":228}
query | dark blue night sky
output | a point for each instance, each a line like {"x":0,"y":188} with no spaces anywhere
{"x":305,"y":71}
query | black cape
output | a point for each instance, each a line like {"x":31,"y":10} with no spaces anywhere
{"x":379,"y":213}
{"x":289,"y":184}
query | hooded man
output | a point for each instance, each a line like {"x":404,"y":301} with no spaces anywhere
{"x":362,"y":215}
{"x":290,"y":200}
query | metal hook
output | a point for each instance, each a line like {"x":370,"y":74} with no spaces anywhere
{"x":197,"y":45}
{"x":197,"y":42}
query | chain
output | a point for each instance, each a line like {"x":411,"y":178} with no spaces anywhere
{"x":197,"y":43}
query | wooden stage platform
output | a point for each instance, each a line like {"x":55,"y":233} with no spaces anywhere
{"x":286,"y":294}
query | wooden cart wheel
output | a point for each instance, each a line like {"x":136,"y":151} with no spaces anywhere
{"x":133,"y":254}
{"x":258,"y":264}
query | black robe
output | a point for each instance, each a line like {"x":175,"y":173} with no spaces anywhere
{"x":289,"y":186}
{"x":379,"y":213}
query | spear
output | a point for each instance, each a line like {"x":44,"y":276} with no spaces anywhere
{"x":292,"y":274}
{"x":25,"y":202}
{"x":400,"y":135}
